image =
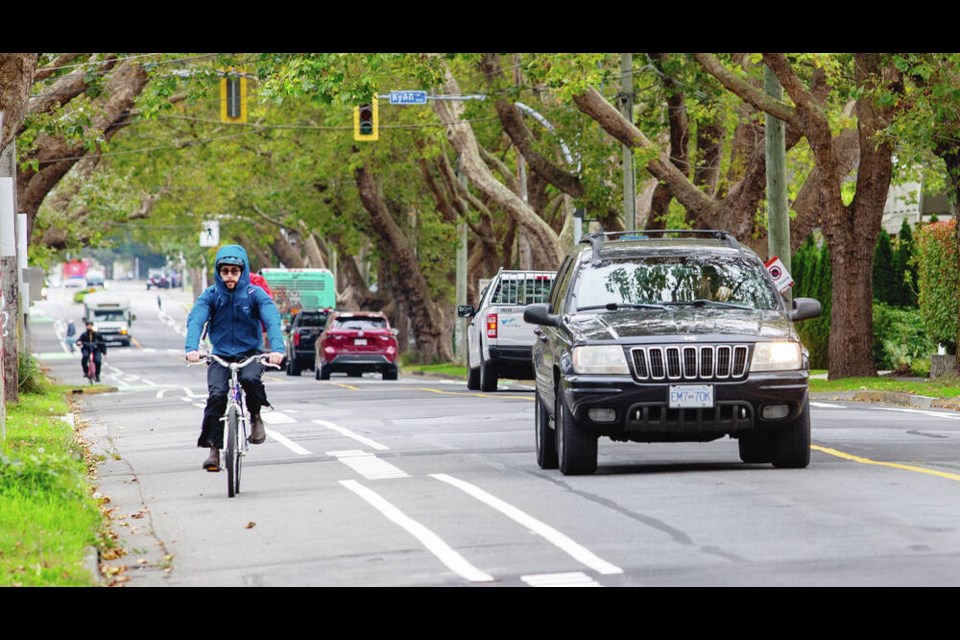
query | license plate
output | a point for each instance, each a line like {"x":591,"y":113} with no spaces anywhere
{"x":691,"y":396}
{"x":360,"y":341}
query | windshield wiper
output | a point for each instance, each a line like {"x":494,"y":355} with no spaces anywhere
{"x":613,"y":306}
{"x":701,"y":302}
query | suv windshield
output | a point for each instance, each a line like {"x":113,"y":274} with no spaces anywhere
{"x":681,"y":279}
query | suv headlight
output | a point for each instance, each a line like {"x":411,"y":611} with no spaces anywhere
{"x":776,"y":356}
{"x":600,"y":359}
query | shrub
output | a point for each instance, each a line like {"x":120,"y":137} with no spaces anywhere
{"x":30,"y":377}
{"x":899,"y":339}
{"x":935,"y":255}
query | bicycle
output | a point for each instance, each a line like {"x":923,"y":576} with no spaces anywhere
{"x":91,"y":373}
{"x":235,"y":417}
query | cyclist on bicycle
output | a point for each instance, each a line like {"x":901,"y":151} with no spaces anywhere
{"x":91,"y":340}
{"x":233,"y":309}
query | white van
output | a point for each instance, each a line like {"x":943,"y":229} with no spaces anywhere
{"x":110,"y":313}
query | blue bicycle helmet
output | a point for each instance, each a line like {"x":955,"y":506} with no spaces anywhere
{"x":230,"y":260}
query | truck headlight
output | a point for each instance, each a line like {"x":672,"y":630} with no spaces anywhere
{"x":600,"y":359}
{"x":776,"y":356}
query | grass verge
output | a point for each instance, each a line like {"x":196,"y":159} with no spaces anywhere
{"x":933,"y":387}
{"x":49,"y":518}
{"x":442,"y":368}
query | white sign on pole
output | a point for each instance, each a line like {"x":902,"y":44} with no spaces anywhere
{"x":781,"y":277}
{"x":210,"y":236}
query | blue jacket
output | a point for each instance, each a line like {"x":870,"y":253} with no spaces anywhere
{"x":234,"y":316}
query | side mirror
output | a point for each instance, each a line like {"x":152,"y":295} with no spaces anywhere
{"x":133,"y":317}
{"x":394,"y":331}
{"x":804,"y":309}
{"x":466,"y":311}
{"x":540,"y":314}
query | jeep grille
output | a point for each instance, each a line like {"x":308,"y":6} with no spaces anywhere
{"x":689,"y":362}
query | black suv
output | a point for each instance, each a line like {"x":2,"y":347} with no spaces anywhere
{"x":302,"y":334}
{"x":668,"y":336}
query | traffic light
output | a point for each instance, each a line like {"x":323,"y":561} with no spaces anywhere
{"x":233,"y":97}
{"x":366,"y":123}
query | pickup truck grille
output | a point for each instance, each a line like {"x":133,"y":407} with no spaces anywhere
{"x":690,"y":362}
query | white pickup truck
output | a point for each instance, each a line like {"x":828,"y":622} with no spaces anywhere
{"x":498,"y":340}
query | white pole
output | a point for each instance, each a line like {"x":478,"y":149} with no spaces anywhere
{"x":21,"y":278}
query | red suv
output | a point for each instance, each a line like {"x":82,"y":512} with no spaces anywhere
{"x":356,"y":341}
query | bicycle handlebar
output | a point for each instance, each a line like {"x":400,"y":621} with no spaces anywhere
{"x":207,"y":358}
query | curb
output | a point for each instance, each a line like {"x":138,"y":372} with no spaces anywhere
{"x":907,"y":399}
{"x":92,"y":390}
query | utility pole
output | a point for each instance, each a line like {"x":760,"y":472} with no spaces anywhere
{"x":9,"y":315}
{"x":778,"y":217}
{"x":23,"y":321}
{"x":460,"y":329}
{"x":3,"y":395}
{"x":629,"y":175}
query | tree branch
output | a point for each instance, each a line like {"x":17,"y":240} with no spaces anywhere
{"x":747,"y":91}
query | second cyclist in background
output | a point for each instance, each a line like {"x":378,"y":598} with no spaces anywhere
{"x":234,"y":309}
{"x":91,"y":341}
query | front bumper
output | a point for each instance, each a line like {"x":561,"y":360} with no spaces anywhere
{"x":642,"y":411}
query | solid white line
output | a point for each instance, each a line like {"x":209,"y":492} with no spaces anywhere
{"x":574,"y":579}
{"x":285,"y":441}
{"x":145,"y":381}
{"x":578,"y":552}
{"x":433,"y":543}
{"x":276,"y":417}
{"x":935,"y":414}
{"x":368,"y":465}
{"x":356,"y":436}
{"x":826,"y":405}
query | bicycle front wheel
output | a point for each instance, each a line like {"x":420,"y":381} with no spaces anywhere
{"x":233,"y":451}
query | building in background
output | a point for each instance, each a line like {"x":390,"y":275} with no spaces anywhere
{"x":907,"y":201}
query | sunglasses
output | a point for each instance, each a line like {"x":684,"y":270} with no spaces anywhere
{"x":230,"y":271}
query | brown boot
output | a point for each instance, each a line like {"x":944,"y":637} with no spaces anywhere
{"x":257,"y":433}
{"x":212,"y":463}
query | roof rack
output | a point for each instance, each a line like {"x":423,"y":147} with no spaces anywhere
{"x":598,"y":238}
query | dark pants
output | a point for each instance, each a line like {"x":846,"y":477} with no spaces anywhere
{"x":85,"y":358}
{"x":218,"y":386}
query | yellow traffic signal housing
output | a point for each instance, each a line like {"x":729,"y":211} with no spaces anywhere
{"x":233,"y":97}
{"x":366,"y":122}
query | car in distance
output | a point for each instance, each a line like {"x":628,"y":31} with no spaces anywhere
{"x":158,"y":281}
{"x":669,"y":336}
{"x":302,"y":333}
{"x":354,"y":342}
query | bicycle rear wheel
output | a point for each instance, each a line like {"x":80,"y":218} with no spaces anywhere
{"x":233,"y":451}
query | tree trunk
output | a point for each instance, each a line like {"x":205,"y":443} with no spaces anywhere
{"x":289,"y":256}
{"x":706,"y":173}
{"x":853,"y":234}
{"x":543,"y":240}
{"x":16,"y":79}
{"x":54,"y":157}
{"x":409,"y":284}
